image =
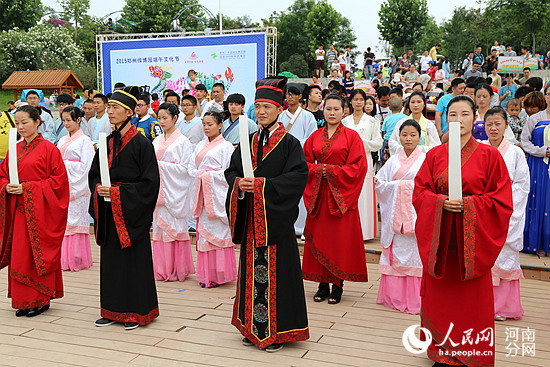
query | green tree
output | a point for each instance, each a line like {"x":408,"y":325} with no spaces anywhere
{"x":291,"y":38}
{"x":458,"y":36}
{"x":156,"y":15}
{"x":76,"y":10}
{"x":431,"y":35}
{"x":297,"y":65}
{"x":531,"y":17}
{"x":401,"y":21}
{"x":21,"y":14}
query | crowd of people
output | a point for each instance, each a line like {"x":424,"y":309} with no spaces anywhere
{"x":324,"y":161}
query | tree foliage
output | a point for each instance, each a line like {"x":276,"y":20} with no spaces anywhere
{"x":156,"y":15}
{"x":305,"y":25}
{"x":76,"y":10}
{"x":401,"y":22}
{"x":297,"y":65}
{"x":39,"y":48}
{"x":21,"y":14}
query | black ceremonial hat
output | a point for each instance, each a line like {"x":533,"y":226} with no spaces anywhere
{"x":271,"y":89}
{"x":126,"y":97}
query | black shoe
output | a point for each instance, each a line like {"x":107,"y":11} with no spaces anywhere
{"x":104,"y":322}
{"x":130,"y":325}
{"x":335,"y":295}
{"x":20,"y":313}
{"x":37,"y":311}
{"x":275,"y":347}
{"x":322,"y":293}
{"x":247,"y":342}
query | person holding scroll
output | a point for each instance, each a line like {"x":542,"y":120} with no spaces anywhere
{"x":215,"y":251}
{"x":127,"y":284}
{"x":334,"y":250}
{"x":270,"y":306}
{"x":33,"y":217}
{"x":459,"y":241}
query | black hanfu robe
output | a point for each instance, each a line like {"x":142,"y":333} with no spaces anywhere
{"x":270,"y":305}
{"x":127,"y":283}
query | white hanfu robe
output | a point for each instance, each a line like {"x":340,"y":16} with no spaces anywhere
{"x":507,"y":269}
{"x":216,"y":262}
{"x":172,"y":257}
{"x":78,"y":153}
{"x":301,"y":124}
{"x":400,"y":257}
{"x":369,"y":131}
{"x":429,"y":137}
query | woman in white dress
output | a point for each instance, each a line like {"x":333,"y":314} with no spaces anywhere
{"x":172,"y":257}
{"x":429,"y":137}
{"x":507,"y":270}
{"x":400,"y":263}
{"x":78,"y":152}
{"x":215,"y":250}
{"x":369,"y":131}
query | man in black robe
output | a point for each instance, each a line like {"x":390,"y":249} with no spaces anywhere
{"x":127,"y":283}
{"x":270,"y":306}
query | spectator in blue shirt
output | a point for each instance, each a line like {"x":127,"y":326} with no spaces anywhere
{"x":396,"y":105}
{"x":478,"y":56}
{"x":508,"y":91}
{"x":143,"y":122}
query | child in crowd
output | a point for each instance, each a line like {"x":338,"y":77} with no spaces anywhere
{"x":156,"y":102}
{"x":513,"y":108}
{"x":192,"y":81}
{"x":396,"y":105}
{"x":343,"y":62}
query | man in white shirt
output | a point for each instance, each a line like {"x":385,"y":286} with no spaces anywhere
{"x":63,"y":101}
{"x":424,"y":62}
{"x":99,"y":123}
{"x":320,"y":61}
{"x":189,"y":124}
{"x":47,"y":128}
{"x":468,"y":62}
{"x":89,"y":112}
{"x":216,"y":104}
{"x":509,"y":52}
{"x":297,"y":121}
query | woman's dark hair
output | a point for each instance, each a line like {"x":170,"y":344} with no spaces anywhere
{"x":371,"y":98}
{"x":410,"y":122}
{"x":462,"y":98}
{"x":346,"y":73}
{"x":417,"y":94}
{"x":486,"y":87}
{"x":496,"y":111}
{"x":348,"y":104}
{"x":216,"y":115}
{"x":324,"y":93}
{"x":336,"y":97}
{"x":75,"y":113}
{"x":418,"y":83}
{"x":33,"y":112}
{"x":375,"y":84}
{"x":171,"y":108}
{"x":535,"y":99}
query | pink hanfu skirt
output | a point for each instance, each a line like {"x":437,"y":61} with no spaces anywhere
{"x":507,"y":299}
{"x":216,"y":266}
{"x":76,"y":253}
{"x":400,"y":293}
{"x":172,"y":261}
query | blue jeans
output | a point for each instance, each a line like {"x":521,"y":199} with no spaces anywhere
{"x":369,"y":74}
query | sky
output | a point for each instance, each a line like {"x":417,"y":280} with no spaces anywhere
{"x":363,"y":14}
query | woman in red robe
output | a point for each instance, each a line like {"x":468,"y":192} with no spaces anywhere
{"x":334,"y":250}
{"x":33,"y":217}
{"x":459,"y":242}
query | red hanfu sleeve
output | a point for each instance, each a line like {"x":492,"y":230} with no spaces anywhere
{"x":486,"y":219}
{"x":345,"y":181}
{"x":483,"y":225}
{"x":46,"y":204}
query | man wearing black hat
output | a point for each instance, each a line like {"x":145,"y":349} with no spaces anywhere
{"x":127,"y":284}
{"x":270,"y":307}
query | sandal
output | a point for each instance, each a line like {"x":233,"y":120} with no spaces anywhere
{"x":322,"y":293}
{"x":335,"y":295}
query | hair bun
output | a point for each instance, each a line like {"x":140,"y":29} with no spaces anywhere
{"x":133,"y":90}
